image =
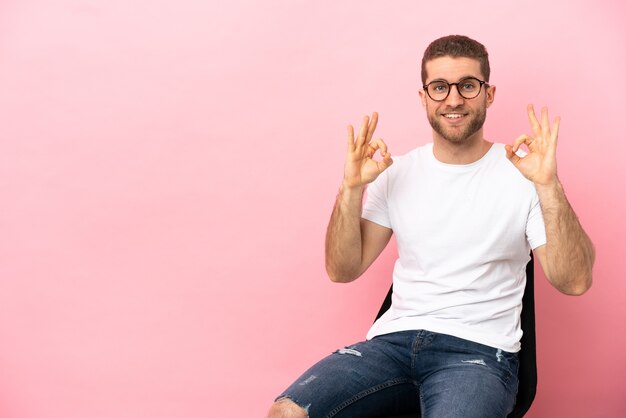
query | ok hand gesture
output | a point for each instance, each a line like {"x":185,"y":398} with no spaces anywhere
{"x":361,"y":168}
{"x":539,"y":165}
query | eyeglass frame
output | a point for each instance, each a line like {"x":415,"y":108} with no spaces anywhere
{"x":480,"y":87}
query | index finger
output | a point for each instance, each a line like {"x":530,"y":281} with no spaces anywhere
{"x":379,"y":144}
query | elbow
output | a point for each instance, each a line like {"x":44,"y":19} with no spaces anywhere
{"x":575,"y":290}
{"x":337,"y":276}
{"x":587,"y":281}
{"x":339,"y":279}
{"x":579,"y":286}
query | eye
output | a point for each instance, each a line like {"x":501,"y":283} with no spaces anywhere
{"x":438,"y":87}
{"x":469,"y":85}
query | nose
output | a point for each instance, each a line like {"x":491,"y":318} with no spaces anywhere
{"x":454,"y":98}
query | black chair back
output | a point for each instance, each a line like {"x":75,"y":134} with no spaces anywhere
{"x":527,"y":387}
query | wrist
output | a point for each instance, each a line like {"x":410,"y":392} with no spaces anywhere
{"x":351,"y":188}
{"x":551,"y":197}
{"x":350,"y":194}
{"x":549,"y":188}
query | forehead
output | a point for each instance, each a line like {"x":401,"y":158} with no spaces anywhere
{"x":452,"y":69}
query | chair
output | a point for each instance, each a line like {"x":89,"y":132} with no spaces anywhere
{"x":527,"y":387}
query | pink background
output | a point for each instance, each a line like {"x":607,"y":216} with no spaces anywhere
{"x":167,"y":170}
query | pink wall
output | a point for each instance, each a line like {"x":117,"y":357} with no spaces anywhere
{"x":167,"y":170}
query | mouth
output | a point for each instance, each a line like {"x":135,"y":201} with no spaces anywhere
{"x":454,"y":117}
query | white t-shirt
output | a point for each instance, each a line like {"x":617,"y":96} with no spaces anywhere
{"x":464,"y":234}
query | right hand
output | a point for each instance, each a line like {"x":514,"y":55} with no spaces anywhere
{"x":361,"y":168}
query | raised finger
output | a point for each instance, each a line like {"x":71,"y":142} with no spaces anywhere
{"x":555,"y":128}
{"x":554,"y":134}
{"x":545,"y":121}
{"x":532,"y":118}
{"x":363,"y":131}
{"x":351,"y":145}
{"x":372,"y":127}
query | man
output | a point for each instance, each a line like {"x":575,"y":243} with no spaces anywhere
{"x":465,"y":220}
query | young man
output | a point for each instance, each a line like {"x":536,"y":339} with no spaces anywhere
{"x":466,"y":212}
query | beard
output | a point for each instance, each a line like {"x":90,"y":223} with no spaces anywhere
{"x":458,"y":135}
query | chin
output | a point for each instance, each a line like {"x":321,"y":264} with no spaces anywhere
{"x":455,"y":138}
{"x":459,"y":136}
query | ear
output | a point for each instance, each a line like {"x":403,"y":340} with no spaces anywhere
{"x":491,"y":95}
{"x":423,"y":97}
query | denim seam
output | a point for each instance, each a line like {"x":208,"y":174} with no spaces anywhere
{"x":368,"y":392}
{"x":421,"y":339}
{"x":508,"y":366}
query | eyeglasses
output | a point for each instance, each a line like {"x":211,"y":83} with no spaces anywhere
{"x":468,"y":88}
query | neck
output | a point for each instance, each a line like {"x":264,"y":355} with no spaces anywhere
{"x":468,"y":151}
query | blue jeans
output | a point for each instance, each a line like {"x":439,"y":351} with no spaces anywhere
{"x":410,"y":371}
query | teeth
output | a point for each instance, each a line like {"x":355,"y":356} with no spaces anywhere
{"x":453,"y":116}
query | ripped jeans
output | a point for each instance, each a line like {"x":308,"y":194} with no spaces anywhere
{"x":410,"y":371}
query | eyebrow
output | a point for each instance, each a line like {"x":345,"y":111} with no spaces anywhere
{"x":459,"y":80}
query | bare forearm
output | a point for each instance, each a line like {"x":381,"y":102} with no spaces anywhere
{"x":343,"y":236}
{"x":569,"y":251}
{"x":352,"y":245}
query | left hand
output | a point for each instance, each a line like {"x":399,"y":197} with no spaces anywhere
{"x":539,"y":165}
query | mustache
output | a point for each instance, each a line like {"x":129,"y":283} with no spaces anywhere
{"x":457,"y":109}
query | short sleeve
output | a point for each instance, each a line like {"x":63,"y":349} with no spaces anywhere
{"x":375,"y":208}
{"x":535,"y":227}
